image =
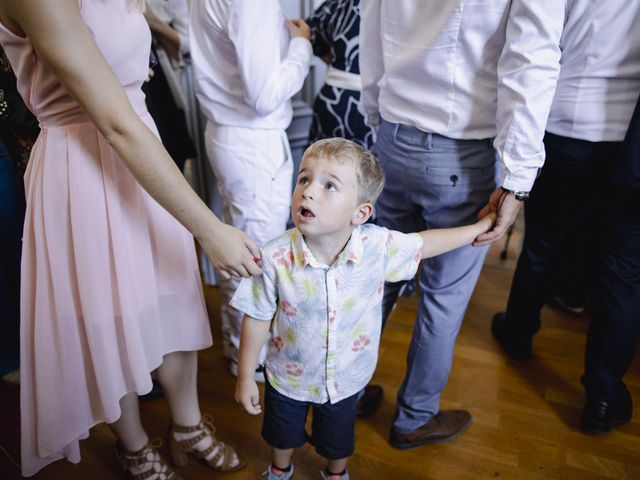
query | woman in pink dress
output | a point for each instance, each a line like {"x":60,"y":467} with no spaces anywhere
{"x":110,"y":284}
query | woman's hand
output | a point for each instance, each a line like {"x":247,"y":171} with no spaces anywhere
{"x":231,"y":251}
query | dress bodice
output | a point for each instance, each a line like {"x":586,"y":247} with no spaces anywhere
{"x":121,"y":34}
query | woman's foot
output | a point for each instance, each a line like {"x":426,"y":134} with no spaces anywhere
{"x":146,"y":463}
{"x":201,"y":441}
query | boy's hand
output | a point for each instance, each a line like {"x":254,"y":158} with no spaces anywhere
{"x":299,"y":28}
{"x":487,"y":222}
{"x":248,"y":395}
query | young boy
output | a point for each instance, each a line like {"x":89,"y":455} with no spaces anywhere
{"x":320,"y":296}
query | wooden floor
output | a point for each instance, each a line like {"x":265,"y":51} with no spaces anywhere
{"x":524,"y":414}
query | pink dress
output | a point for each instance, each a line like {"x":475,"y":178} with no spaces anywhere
{"x":110,"y":280}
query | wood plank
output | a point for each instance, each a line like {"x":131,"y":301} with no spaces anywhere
{"x":525,"y":413}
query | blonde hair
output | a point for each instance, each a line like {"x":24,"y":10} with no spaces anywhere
{"x":369,"y":173}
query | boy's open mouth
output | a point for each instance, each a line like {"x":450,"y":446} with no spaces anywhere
{"x":305,"y":212}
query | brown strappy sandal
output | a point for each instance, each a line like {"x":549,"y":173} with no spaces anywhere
{"x":220,"y":461}
{"x":148,"y":455}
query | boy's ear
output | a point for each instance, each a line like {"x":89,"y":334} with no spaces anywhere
{"x":362,"y":213}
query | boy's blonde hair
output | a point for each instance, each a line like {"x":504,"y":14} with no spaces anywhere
{"x":369,"y":173}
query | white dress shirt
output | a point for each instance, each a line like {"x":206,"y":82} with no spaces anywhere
{"x":599,"y":79}
{"x":246,"y":66}
{"x":465,"y":69}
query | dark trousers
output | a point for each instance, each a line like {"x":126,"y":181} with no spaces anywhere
{"x":573,"y":195}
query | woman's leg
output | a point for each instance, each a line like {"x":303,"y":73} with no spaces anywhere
{"x":134,"y":452}
{"x":178,"y":377}
{"x":128,"y":428}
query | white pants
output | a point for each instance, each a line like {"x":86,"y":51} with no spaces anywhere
{"x":254,"y":171}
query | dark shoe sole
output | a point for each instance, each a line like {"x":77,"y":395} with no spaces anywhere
{"x":601,"y":428}
{"x":416,"y":443}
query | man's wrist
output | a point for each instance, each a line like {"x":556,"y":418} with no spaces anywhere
{"x":519,"y":195}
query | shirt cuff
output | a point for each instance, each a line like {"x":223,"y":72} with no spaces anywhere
{"x":520,"y":181}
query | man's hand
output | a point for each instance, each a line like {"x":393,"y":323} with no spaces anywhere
{"x":248,"y":395}
{"x":506,"y":208}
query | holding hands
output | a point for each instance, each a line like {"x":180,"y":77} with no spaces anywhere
{"x":505,"y":206}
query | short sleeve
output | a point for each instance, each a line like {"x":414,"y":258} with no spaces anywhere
{"x":257,"y":296}
{"x":402,"y":255}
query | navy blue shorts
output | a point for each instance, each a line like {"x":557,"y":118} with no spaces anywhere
{"x":332,"y":428}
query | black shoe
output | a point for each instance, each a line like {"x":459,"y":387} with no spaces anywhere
{"x":517,"y":347}
{"x":370,"y":400}
{"x":601,"y":416}
{"x":156,"y":392}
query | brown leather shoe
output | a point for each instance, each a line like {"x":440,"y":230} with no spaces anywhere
{"x":370,"y":400}
{"x":444,"y":426}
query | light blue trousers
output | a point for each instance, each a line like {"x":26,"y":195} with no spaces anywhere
{"x":433,"y":182}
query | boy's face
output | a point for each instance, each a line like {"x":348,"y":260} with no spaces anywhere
{"x":325,"y":200}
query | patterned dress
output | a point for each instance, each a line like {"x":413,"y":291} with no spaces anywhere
{"x":338,"y":112}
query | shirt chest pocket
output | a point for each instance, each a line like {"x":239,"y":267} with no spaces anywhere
{"x":440,"y":32}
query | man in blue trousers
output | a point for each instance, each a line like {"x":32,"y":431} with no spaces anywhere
{"x":454,"y":90}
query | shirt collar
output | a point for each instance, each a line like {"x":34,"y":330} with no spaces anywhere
{"x":302,"y":256}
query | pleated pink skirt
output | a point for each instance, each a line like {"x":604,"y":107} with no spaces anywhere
{"x":110,"y":284}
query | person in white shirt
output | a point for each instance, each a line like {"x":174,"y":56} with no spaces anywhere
{"x":597,"y":90}
{"x":248,"y":62}
{"x":453,"y":89}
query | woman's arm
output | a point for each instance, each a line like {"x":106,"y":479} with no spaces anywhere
{"x":60,"y":37}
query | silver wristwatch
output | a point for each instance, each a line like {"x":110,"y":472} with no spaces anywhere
{"x":520,"y":195}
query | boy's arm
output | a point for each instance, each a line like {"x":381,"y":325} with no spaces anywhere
{"x":252,"y":337}
{"x":442,"y":240}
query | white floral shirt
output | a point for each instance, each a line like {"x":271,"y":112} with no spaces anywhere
{"x":326,"y":329}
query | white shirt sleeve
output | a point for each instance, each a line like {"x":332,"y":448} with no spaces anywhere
{"x":527,"y":73}
{"x":255,"y":28}
{"x":371,"y":60}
